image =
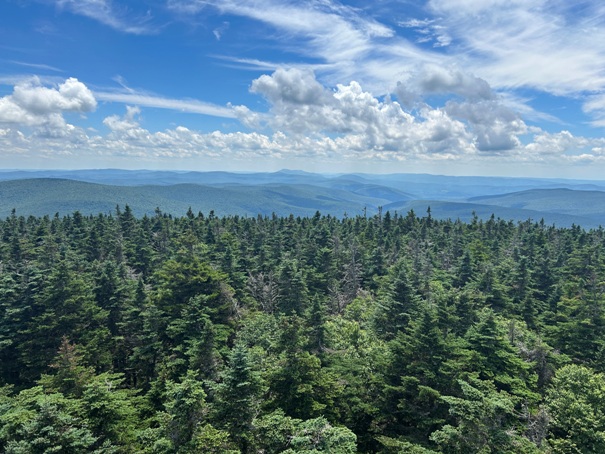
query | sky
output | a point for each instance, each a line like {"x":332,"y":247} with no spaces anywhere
{"x":454,"y":87}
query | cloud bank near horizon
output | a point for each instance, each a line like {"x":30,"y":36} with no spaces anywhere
{"x":304,"y":119}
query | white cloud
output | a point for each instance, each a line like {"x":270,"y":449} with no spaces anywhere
{"x":557,"y":143}
{"x":438,"y":79}
{"x":551,"y":46}
{"x":432,"y":137}
{"x":72,"y":96}
{"x":478,"y":124}
{"x":547,"y":45}
{"x":305,"y":120}
{"x":32,"y":104}
{"x":299,"y":104}
{"x":126,"y":124}
{"x":291,"y":86}
{"x":496,"y":127}
{"x":433,"y":79}
{"x":248,"y":118}
{"x":428,"y":31}
{"x":476,"y":7}
{"x":554,"y":46}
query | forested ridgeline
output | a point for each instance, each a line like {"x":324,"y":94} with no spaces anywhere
{"x":389,"y":334}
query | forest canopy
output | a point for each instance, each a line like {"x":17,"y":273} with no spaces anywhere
{"x":378,"y":334}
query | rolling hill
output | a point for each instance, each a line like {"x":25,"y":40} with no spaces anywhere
{"x":566,"y":201}
{"x":559,"y":202}
{"x":40,"y":197}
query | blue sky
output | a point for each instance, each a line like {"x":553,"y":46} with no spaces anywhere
{"x":461,"y":87}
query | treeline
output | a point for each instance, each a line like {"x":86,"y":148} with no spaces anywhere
{"x":387,"y":334}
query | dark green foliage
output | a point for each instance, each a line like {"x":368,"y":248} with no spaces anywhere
{"x":375,"y":334}
{"x":237,"y":397}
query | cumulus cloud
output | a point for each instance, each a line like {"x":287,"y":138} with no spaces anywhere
{"x":433,"y":79}
{"x":300,"y":104}
{"x":547,"y":144}
{"x":291,"y":86}
{"x":554,"y":47}
{"x":353,"y":122}
{"x":495,"y":126}
{"x":551,"y":46}
{"x":34,"y":105}
{"x":305,"y":119}
{"x":433,"y":136}
{"x":127,"y":126}
{"x":71,"y":95}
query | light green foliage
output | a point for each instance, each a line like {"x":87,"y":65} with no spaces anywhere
{"x":209,"y":440}
{"x":394,"y":446}
{"x":317,"y":435}
{"x":280,"y":433}
{"x":110,"y":410}
{"x":38,"y":423}
{"x":576,"y":404}
{"x":485,"y":422}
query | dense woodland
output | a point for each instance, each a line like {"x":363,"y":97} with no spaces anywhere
{"x":380,"y":334}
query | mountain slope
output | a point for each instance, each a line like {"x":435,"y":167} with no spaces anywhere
{"x":590,"y":204}
{"x":40,"y":197}
{"x":464,"y":211}
{"x":302,"y":194}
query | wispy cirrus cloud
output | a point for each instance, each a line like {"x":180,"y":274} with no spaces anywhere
{"x":160,"y":102}
{"x":343,"y":43}
{"x":552,"y":46}
{"x":428,"y":32}
{"x":330,"y":29}
{"x":38,"y":66}
{"x":107,"y":13}
{"x":128,"y":95}
{"x":595,"y":106}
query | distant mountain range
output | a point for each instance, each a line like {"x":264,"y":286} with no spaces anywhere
{"x":557,"y":201}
